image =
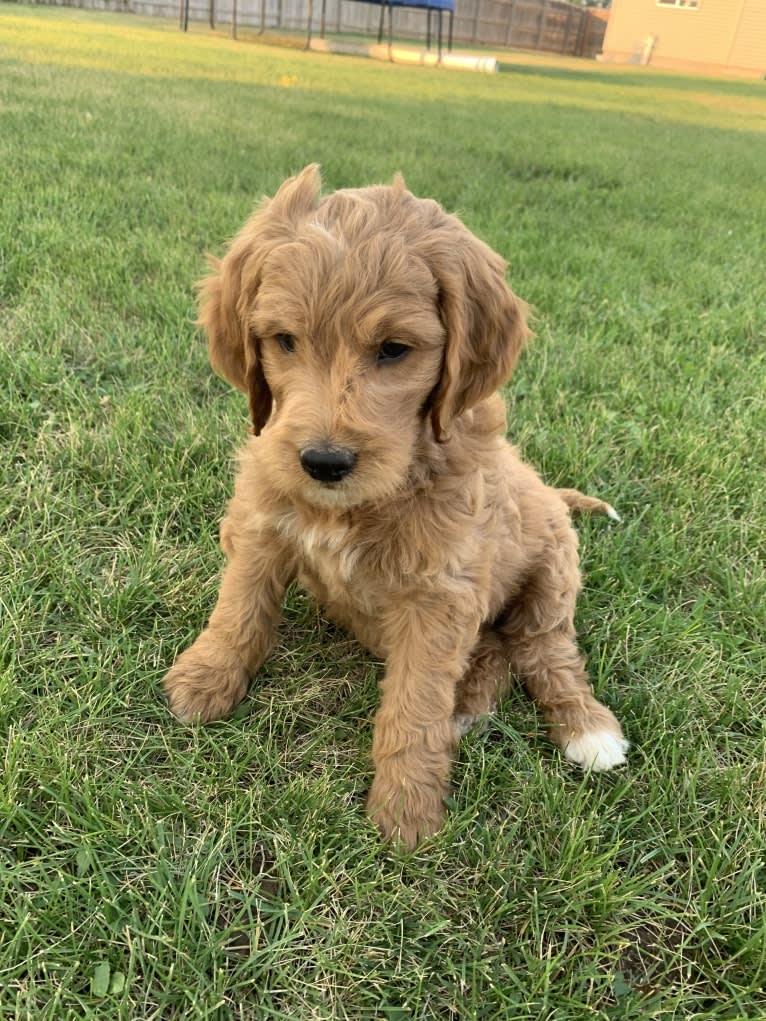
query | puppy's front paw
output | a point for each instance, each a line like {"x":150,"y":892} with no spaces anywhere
{"x":206,"y":682}
{"x":405,"y":813}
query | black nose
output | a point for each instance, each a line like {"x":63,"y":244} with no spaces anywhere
{"x":328,"y":464}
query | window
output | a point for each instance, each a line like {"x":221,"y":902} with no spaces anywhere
{"x":689,"y":4}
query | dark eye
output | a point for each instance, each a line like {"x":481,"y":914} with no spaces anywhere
{"x":286,"y":341}
{"x":391,"y":352}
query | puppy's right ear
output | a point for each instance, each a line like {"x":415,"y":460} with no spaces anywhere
{"x":227,"y":296}
{"x":226,"y":333}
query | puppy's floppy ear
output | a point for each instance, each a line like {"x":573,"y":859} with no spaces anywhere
{"x":484,"y":321}
{"x":228,"y":294}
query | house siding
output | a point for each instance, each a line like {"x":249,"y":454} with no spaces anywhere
{"x":749,"y":45}
{"x":719,"y":35}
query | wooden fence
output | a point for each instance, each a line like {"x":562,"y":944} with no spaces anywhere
{"x":550,"y":25}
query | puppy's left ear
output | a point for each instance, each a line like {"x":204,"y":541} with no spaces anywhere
{"x":485,"y":323}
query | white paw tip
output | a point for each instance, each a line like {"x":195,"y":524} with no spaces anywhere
{"x":612,"y":513}
{"x":598,"y":751}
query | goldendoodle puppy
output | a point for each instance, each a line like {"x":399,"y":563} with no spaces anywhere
{"x":370,"y":331}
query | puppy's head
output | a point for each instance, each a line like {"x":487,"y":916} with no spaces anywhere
{"x":361,"y":325}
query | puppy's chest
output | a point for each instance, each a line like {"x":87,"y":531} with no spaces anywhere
{"x":341,"y":567}
{"x":333,"y":553}
{"x":345,"y":565}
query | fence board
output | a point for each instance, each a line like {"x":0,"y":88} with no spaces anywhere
{"x":552,"y":25}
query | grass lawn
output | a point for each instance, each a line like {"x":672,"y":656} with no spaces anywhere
{"x":150,"y":871}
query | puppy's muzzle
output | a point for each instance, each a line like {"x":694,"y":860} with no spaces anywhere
{"x":328,"y":464}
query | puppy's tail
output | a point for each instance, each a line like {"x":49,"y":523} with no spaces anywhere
{"x":577,"y":501}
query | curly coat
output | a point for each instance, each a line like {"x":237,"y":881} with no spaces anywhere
{"x":370,"y":331}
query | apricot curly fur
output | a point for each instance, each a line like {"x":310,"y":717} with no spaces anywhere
{"x":373,"y":323}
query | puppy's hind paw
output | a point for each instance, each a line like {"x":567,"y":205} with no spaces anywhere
{"x":599,"y":750}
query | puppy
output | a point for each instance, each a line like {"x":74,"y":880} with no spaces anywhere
{"x":370,"y":331}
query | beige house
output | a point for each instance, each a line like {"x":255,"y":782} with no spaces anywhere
{"x":709,"y":36}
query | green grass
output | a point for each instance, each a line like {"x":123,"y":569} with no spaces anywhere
{"x":149,"y":871}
